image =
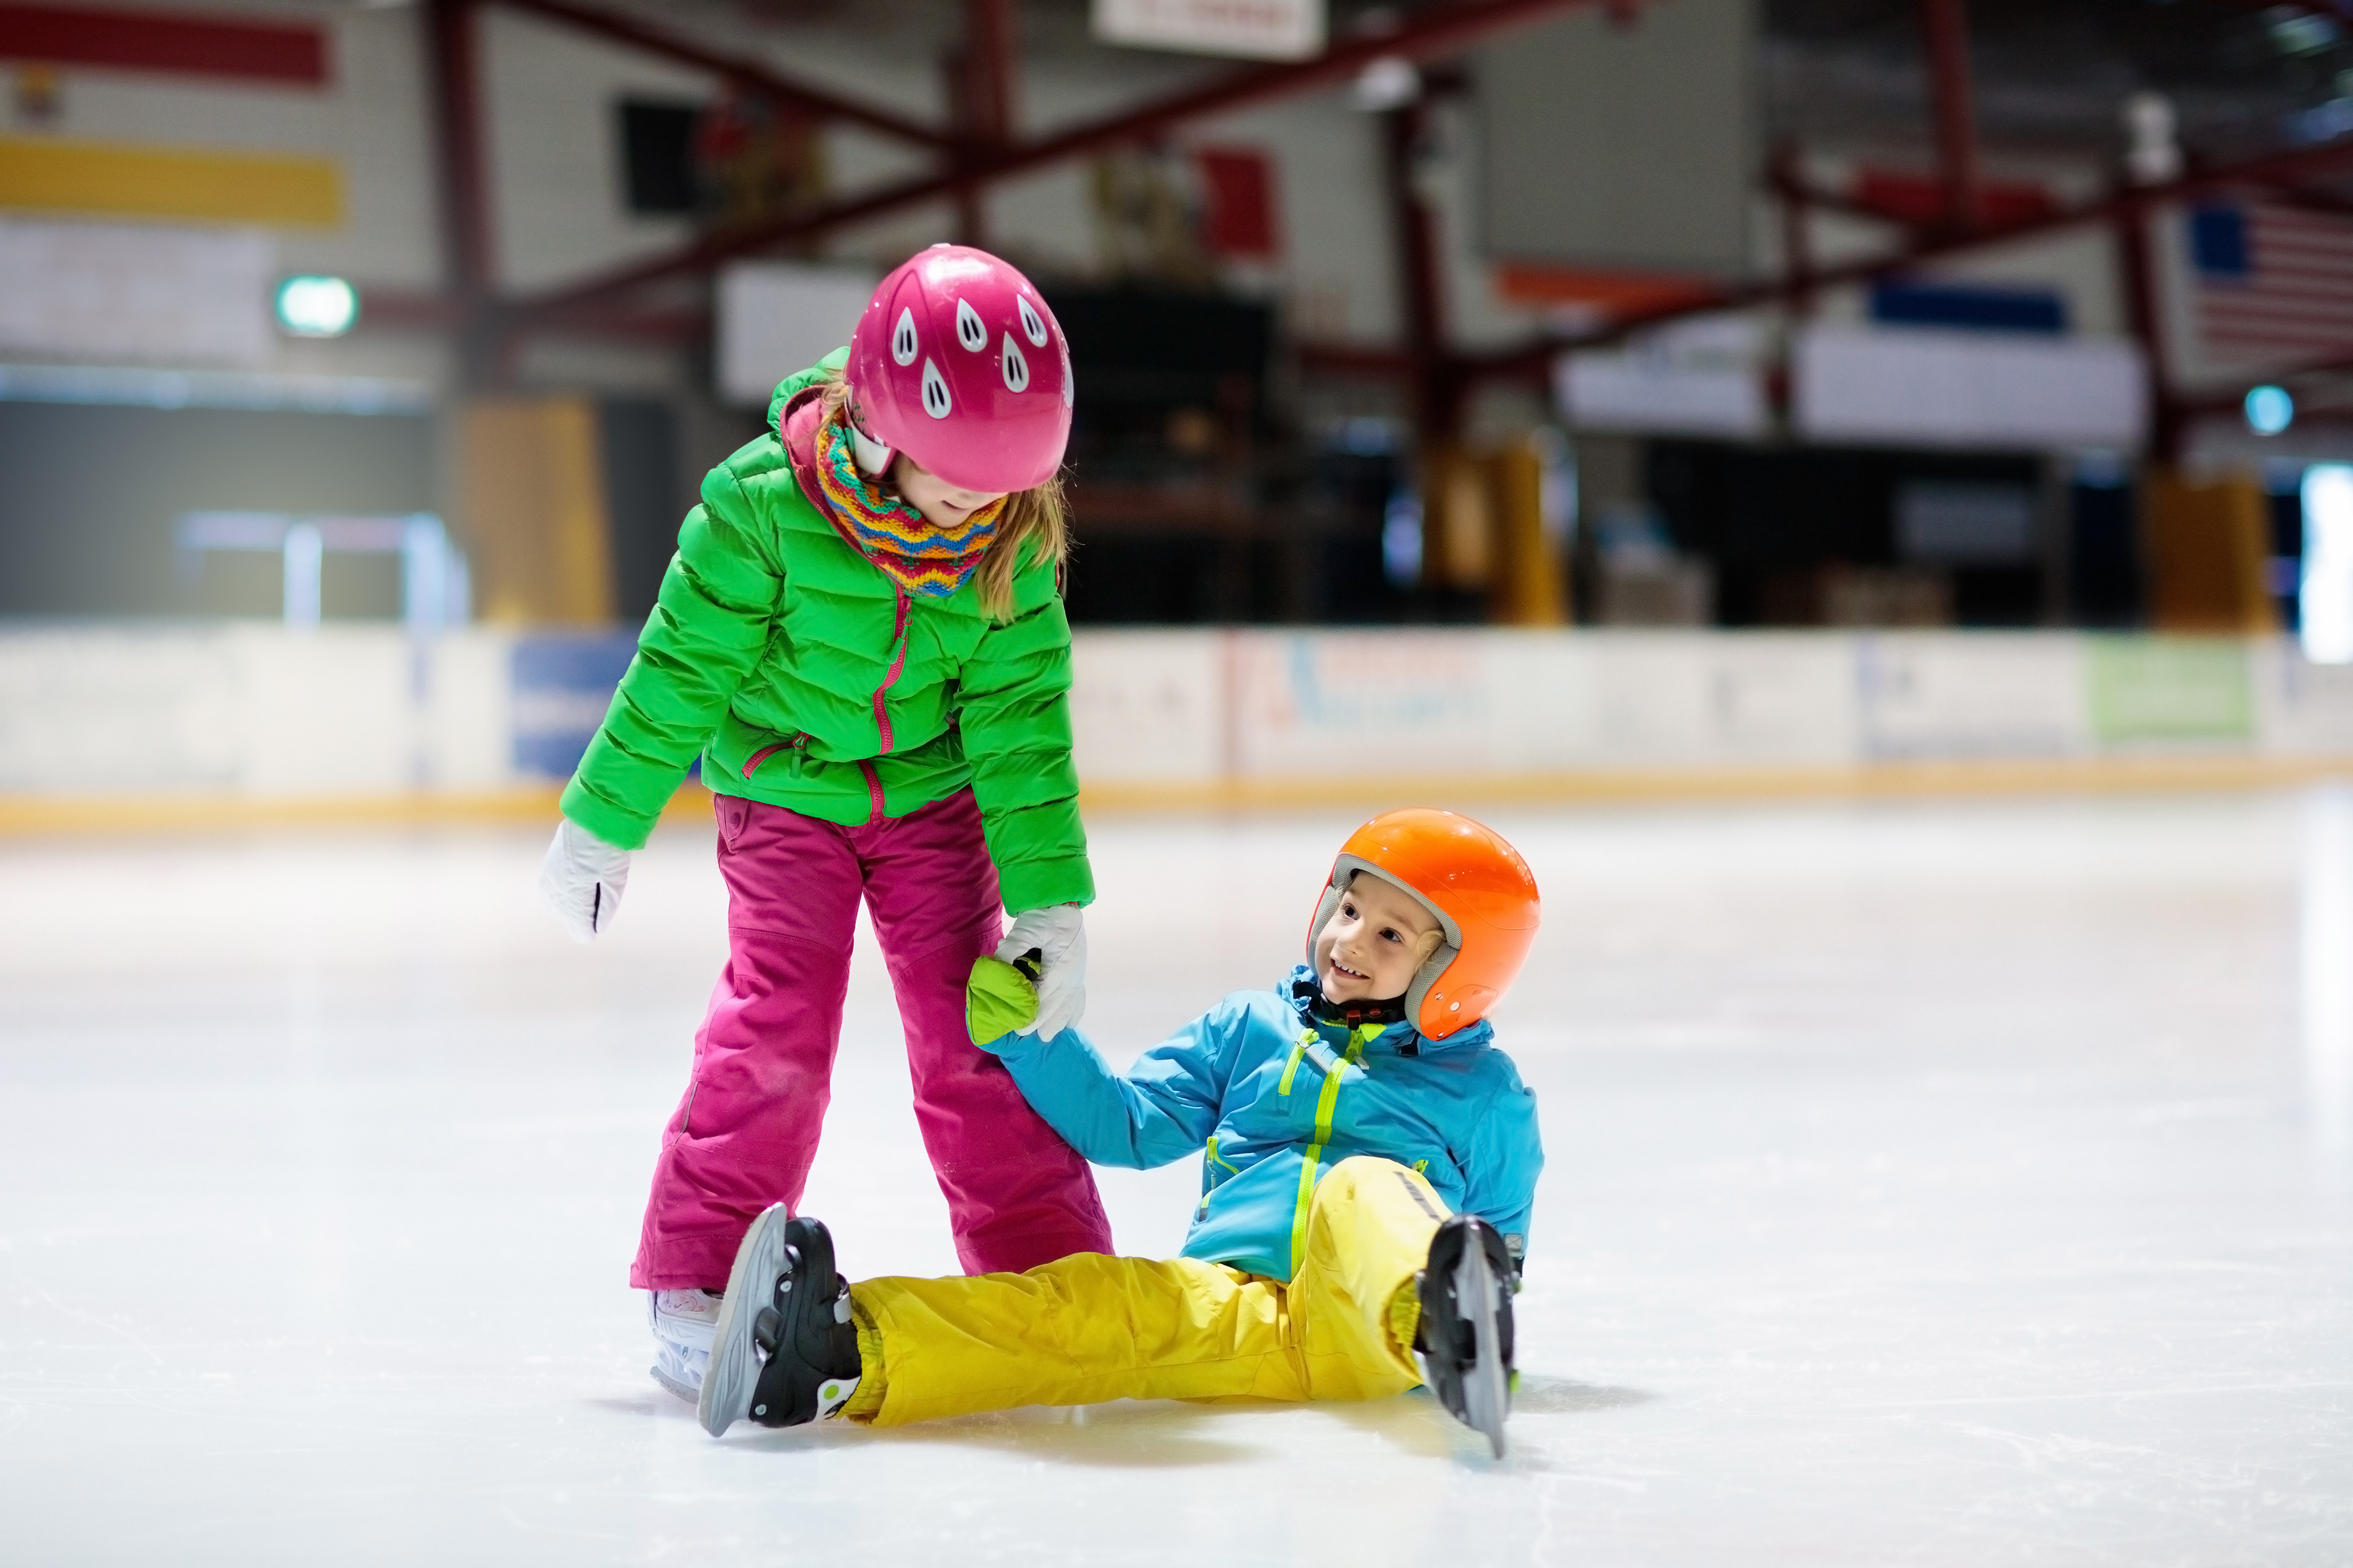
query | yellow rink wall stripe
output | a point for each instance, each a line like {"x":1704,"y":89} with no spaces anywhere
{"x":1894,"y":779}
{"x":102,"y":814}
{"x":170,"y":182}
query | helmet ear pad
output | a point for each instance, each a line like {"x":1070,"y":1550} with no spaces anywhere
{"x":873,"y":458}
{"x":1433,"y":968}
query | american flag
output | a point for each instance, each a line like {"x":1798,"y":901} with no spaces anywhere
{"x":2273,"y":285}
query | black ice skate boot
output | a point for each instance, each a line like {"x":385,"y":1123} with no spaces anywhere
{"x":782,"y":1352}
{"x":1465,"y":1337}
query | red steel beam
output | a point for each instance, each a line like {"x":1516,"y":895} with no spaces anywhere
{"x":2138,"y":272}
{"x":2222,"y":402}
{"x":1433,"y":31}
{"x":1415,"y":240}
{"x":1797,"y":216}
{"x":989,"y":57}
{"x":405,"y":310}
{"x":749,"y":73}
{"x":1945,"y":28}
{"x":454,"y":40}
{"x":980,"y":89}
{"x":2304,"y":164}
{"x":1783,"y":179}
{"x":456,"y":67}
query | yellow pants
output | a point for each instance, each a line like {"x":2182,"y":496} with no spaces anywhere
{"x":1091,"y":1327}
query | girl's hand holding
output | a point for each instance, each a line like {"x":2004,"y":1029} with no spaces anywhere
{"x":582,"y":879}
{"x":1060,"y":933}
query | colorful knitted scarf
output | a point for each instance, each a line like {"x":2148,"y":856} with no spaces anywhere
{"x":911,"y":552}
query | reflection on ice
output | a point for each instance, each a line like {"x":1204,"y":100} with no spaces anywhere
{"x":2325,"y":950}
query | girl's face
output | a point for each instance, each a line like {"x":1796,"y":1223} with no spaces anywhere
{"x":944,"y":506}
{"x":1374,"y":943}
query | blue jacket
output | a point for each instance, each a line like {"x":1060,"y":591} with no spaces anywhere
{"x":1272,"y":1099}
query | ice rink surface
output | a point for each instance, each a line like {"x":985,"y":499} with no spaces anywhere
{"x":1959,"y":1184}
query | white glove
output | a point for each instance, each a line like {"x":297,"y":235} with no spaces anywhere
{"x":582,"y":879}
{"x":1061,"y":940}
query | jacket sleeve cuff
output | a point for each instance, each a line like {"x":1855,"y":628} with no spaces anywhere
{"x":1041,"y":884}
{"x":621,"y":828}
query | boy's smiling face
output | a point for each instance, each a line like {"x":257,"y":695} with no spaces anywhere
{"x":1374,"y":943}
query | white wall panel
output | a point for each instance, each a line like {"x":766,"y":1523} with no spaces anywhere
{"x":105,"y":711}
{"x":1149,"y":707}
{"x":1667,"y":698}
{"x":1928,"y":387}
{"x":1941,"y":695}
{"x":1328,"y":704}
{"x":2302,"y":709}
{"x":137,"y":293}
{"x":371,"y":118}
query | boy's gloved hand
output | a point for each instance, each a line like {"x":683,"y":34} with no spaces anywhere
{"x":1000,"y":999}
{"x":582,"y":879}
{"x":1056,"y":931}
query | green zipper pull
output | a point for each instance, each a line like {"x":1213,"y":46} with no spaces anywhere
{"x":1291,"y":1067}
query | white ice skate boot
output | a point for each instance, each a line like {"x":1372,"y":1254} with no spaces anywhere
{"x":682,"y":1322}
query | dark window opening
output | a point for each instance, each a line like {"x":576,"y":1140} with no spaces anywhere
{"x":658,"y":155}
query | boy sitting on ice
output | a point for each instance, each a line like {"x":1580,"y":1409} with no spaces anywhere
{"x":1339,"y":1120}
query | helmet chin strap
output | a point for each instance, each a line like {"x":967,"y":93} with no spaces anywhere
{"x":1308,"y":989}
{"x":874,"y":456}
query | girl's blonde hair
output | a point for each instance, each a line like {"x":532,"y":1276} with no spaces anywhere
{"x":1033,"y":528}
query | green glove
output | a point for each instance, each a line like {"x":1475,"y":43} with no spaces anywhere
{"x":998,"y":999}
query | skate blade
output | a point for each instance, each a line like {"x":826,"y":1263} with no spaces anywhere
{"x":727,"y":1383}
{"x":1486,"y":1398}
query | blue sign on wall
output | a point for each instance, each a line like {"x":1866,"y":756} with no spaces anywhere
{"x":562,"y":684}
{"x":1972,"y":306}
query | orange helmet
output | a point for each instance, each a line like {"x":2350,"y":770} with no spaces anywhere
{"x":1482,"y":892}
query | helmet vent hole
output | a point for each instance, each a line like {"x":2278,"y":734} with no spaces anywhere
{"x":970,"y":331}
{"x":1032,"y":326}
{"x":936,"y":402}
{"x":1016,"y":369}
{"x":903,"y":338}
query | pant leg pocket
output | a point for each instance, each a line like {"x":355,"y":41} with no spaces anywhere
{"x":735,"y":815}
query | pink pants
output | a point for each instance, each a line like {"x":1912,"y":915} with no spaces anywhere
{"x":745,"y":1133}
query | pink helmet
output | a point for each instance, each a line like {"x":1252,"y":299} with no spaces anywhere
{"x":959,"y":363}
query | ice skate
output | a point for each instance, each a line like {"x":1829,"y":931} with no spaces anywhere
{"x":782,"y":1352}
{"x":682,"y":1322}
{"x":1465,"y":1338}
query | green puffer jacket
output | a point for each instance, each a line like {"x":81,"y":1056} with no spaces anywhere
{"x":807,"y":678}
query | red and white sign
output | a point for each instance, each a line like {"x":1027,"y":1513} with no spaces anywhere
{"x":1252,"y":29}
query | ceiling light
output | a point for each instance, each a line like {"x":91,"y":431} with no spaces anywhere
{"x":313,"y":307}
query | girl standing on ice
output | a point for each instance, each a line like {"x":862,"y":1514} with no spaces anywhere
{"x":862,"y":636}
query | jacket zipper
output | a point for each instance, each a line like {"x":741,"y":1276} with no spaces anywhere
{"x":1210,"y":1172}
{"x":1327,"y":1103}
{"x":798,"y":743}
{"x":898,"y":665}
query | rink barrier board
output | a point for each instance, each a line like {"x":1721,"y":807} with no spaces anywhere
{"x":218,"y":724}
{"x":33,"y":816}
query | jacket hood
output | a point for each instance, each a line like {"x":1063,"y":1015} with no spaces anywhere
{"x":1300,"y":992}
